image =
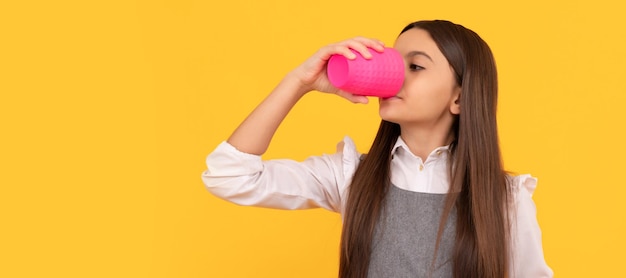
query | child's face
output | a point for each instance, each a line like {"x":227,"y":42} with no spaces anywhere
{"x":429,"y":92}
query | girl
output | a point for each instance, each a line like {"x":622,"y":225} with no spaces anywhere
{"x":431,"y":198}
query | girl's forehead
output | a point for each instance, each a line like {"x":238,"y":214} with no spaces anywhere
{"x":414,"y":35}
{"x":417,"y":40}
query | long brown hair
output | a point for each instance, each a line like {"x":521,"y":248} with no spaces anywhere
{"x":478,"y":185}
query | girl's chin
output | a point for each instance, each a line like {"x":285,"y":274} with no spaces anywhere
{"x":386,"y":116}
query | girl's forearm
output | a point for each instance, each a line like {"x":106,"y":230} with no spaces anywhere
{"x":254,"y":134}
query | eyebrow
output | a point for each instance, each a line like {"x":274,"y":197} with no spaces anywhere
{"x":415,"y":53}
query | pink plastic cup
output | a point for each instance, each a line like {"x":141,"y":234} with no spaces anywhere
{"x":381,"y":76}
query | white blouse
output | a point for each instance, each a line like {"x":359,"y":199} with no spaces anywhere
{"x":321,"y":182}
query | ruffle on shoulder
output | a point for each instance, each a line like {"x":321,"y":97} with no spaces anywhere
{"x":350,"y":157}
{"x":522,"y":188}
{"x":524,"y":182}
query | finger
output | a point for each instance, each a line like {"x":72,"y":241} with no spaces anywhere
{"x":375,"y":44}
{"x":360,"y":47}
{"x":341,"y":49}
{"x":361,"y":99}
{"x":353,"y":98}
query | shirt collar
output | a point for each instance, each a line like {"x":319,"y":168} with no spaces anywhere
{"x":400,"y":144}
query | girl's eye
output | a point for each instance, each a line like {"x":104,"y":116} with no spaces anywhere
{"x":414,"y":67}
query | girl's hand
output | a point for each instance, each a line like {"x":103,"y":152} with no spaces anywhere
{"x":312,"y":73}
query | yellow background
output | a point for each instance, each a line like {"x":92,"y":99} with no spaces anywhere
{"x":108,"y":109}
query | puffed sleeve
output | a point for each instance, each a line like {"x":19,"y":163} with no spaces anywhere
{"x":246,"y":179}
{"x":526,"y":246}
